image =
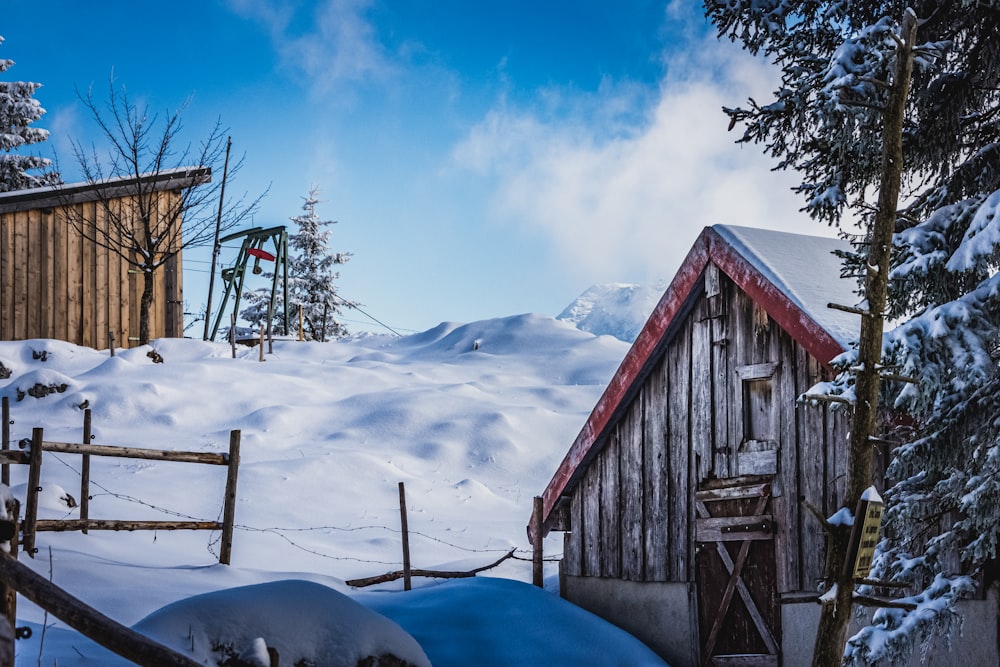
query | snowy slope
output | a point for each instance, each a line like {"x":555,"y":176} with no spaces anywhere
{"x":473,"y":418}
{"x":613,"y":309}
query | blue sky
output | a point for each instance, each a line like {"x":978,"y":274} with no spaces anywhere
{"x":482,"y":159}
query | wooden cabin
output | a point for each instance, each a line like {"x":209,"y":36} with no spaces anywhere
{"x":682,"y":498}
{"x":55,"y":283}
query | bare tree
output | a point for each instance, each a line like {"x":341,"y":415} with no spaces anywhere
{"x":170,"y":202}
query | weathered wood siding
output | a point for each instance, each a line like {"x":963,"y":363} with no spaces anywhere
{"x":56,"y":284}
{"x":718,"y":403}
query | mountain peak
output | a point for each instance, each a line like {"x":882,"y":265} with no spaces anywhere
{"x":613,"y":309}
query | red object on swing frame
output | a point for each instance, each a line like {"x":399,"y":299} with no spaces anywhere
{"x":259,"y":254}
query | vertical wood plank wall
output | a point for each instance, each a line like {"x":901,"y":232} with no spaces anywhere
{"x":632,"y":514}
{"x":56,"y":284}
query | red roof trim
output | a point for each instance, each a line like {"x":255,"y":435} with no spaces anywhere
{"x":709,"y":246}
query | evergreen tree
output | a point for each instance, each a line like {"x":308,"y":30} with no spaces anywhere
{"x":311,"y":280}
{"x":18,"y":110}
{"x":826,"y":121}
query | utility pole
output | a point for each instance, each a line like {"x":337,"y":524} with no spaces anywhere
{"x":215,"y":245}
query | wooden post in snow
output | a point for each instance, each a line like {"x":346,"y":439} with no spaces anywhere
{"x":232,"y":333}
{"x":229,"y":510}
{"x":31,"y":496}
{"x":6,"y":644}
{"x":404,"y":530}
{"x":5,"y":469}
{"x":262,"y":343}
{"x":301,"y":332}
{"x":111,"y":342}
{"x":85,"y":473}
{"x":8,"y":595}
{"x":536,"y":543}
{"x":270,"y":334}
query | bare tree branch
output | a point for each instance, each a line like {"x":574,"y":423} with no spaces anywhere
{"x":150,"y":225}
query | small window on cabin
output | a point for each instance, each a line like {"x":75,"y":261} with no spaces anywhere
{"x":757,"y":454}
{"x":758,"y":421}
{"x":760,"y":417}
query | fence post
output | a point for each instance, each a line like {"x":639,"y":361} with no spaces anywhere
{"x":536,"y":543}
{"x":229,"y":510}
{"x":111,"y":342}
{"x":31,"y":496}
{"x":8,"y":594}
{"x":5,"y":469}
{"x":232,"y":333}
{"x":270,"y":334}
{"x":85,"y":474}
{"x":6,"y":644}
{"x":406,"y":537}
{"x":262,"y":342}
{"x":301,"y":334}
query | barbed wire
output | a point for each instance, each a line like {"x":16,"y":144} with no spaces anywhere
{"x":279,"y":531}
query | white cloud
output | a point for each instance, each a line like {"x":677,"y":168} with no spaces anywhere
{"x":628,"y":204}
{"x":337,"y":45}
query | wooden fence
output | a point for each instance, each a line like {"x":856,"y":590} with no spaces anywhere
{"x":32,"y":525}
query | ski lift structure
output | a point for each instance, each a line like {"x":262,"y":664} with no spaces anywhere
{"x":255,"y":242}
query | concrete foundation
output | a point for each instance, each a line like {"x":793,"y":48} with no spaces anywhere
{"x":661,"y":615}
{"x":658,"y":614}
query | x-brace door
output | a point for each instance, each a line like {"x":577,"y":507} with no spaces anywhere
{"x":737,"y":595}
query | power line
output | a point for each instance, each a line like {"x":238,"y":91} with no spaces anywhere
{"x":372,"y":318}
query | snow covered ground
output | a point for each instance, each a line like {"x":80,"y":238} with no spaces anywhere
{"x":472,"y":418}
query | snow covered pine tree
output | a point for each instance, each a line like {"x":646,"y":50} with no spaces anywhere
{"x":311,"y":279}
{"x":18,"y":110}
{"x":838,"y":63}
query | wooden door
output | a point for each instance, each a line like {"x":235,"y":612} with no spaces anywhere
{"x":739,"y":617}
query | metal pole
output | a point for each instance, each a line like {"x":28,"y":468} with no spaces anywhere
{"x":215,"y":246}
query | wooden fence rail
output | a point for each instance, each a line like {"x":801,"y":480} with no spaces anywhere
{"x":32,"y":525}
{"x":114,"y":636}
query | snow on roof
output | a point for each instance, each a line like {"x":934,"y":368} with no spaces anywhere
{"x":74,"y":193}
{"x":805,"y":269}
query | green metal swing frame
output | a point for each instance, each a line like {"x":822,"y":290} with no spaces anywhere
{"x":234,"y":277}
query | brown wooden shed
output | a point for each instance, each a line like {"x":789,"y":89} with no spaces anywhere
{"x":54,"y":283}
{"x":680,"y":496}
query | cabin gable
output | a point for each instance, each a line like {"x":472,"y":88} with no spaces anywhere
{"x":719,"y":403}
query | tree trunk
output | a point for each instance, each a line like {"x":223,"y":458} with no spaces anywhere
{"x":145,"y":303}
{"x":831,"y":635}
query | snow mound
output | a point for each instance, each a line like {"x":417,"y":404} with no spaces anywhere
{"x":38,"y":384}
{"x":502,"y":622}
{"x":306,"y":622}
{"x":613,"y":309}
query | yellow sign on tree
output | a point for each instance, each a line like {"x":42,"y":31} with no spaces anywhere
{"x":864,"y":536}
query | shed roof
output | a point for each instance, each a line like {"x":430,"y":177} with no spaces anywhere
{"x":75,"y":193}
{"x":792,"y":276}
